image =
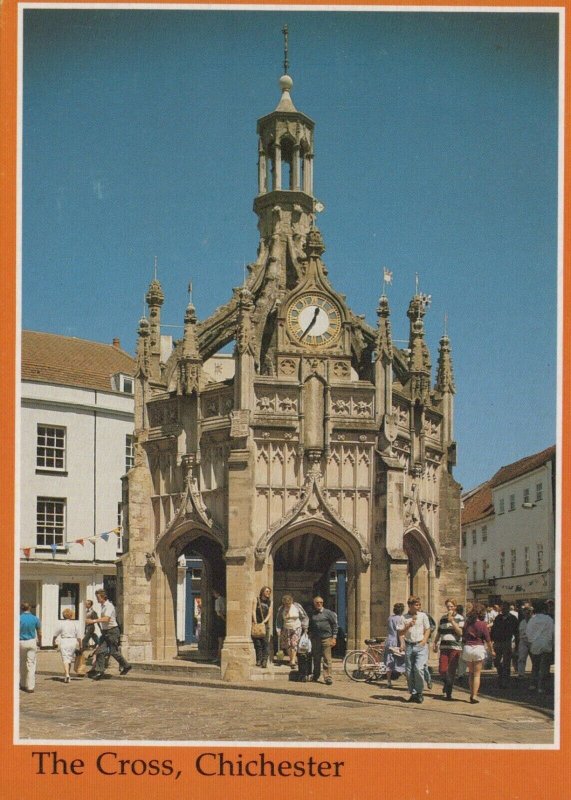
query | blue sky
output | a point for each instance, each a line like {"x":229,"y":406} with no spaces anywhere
{"x":436,"y":153}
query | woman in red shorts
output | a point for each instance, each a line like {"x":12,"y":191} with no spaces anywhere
{"x":476,"y":640}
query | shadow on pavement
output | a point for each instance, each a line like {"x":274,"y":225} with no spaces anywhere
{"x":516,"y":690}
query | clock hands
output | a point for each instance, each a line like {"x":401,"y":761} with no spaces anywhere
{"x":311,"y":324}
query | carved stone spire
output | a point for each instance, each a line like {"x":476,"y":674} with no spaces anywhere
{"x":155,"y":298}
{"x":245,"y":357}
{"x":143,"y":364}
{"x":190,"y":363}
{"x":445,"y":373}
{"x":190,"y":341}
{"x":445,"y":385}
{"x":419,"y":356}
{"x":245,"y":328}
{"x":142,"y":373}
{"x":384,"y":344}
{"x":384,"y":378}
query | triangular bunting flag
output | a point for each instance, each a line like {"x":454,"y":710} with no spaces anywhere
{"x":105,"y":537}
{"x":27,"y":551}
{"x":54,"y":548}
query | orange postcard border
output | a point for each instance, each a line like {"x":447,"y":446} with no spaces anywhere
{"x":403,"y":774}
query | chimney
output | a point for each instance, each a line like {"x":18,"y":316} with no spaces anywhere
{"x":117,"y":343}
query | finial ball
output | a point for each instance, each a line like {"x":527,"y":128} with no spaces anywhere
{"x":285,"y":83}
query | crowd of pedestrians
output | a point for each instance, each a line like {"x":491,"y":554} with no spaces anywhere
{"x":466,"y":640}
{"x":306,"y":637}
{"x":72,"y":642}
{"x":469,"y":641}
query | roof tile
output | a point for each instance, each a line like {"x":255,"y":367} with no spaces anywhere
{"x":477,"y":504}
{"x":67,"y":361}
{"x":523,"y":466}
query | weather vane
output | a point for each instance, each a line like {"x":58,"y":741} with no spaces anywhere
{"x":286,"y":62}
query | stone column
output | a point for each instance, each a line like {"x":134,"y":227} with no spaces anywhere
{"x":133,"y":573}
{"x":238,"y":650}
{"x":431,"y":603}
{"x":262,"y":176}
{"x":164,"y":587}
{"x":358,"y":606}
{"x":398,"y":582}
{"x":309,"y":173}
{"x":208,"y":643}
{"x":364,"y":606}
{"x":306,"y":176}
{"x":277,"y":168}
{"x":353,"y":641}
{"x":295,"y":169}
{"x":181,"y":600}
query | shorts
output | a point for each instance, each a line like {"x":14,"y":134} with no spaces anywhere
{"x":473,"y":652}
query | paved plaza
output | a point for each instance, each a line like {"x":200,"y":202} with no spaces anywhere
{"x":189,"y":702}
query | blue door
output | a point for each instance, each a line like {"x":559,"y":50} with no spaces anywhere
{"x":192,"y":593}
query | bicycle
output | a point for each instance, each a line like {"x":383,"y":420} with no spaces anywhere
{"x":366,"y":664}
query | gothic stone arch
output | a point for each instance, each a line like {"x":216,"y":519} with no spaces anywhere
{"x":422,"y":565}
{"x":313,"y":515}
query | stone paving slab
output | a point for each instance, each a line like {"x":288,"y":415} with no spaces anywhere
{"x":154,"y":703}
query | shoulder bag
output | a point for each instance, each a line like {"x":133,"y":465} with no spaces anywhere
{"x":258,"y":628}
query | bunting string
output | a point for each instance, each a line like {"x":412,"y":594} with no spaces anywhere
{"x":28,"y":551}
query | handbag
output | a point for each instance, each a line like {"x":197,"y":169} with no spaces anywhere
{"x":304,"y":644}
{"x":258,"y":628}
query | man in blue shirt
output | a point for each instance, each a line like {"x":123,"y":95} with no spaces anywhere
{"x":323,"y":634}
{"x":29,"y":641}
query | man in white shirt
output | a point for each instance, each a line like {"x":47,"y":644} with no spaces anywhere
{"x":416,"y":632}
{"x":539,"y":634}
{"x":110,"y":638}
{"x":523,"y":644}
{"x":491,"y":614}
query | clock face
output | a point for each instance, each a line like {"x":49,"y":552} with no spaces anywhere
{"x":314,"y":320}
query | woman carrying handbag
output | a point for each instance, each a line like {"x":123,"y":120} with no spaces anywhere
{"x":261,"y":615}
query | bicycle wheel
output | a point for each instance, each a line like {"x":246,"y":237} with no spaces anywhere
{"x":360,"y":665}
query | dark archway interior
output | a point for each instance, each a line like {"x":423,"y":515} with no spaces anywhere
{"x":213,"y":576}
{"x":302,"y":567}
{"x":310,"y":564}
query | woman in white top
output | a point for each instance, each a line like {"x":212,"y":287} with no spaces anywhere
{"x":291,"y":621}
{"x":69,"y":637}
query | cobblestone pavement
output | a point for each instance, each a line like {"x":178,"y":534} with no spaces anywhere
{"x":162,"y":704}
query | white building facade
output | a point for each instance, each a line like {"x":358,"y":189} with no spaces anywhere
{"x":75,"y":444}
{"x":509,"y":530}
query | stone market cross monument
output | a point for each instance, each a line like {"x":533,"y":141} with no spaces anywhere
{"x":326,"y":444}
